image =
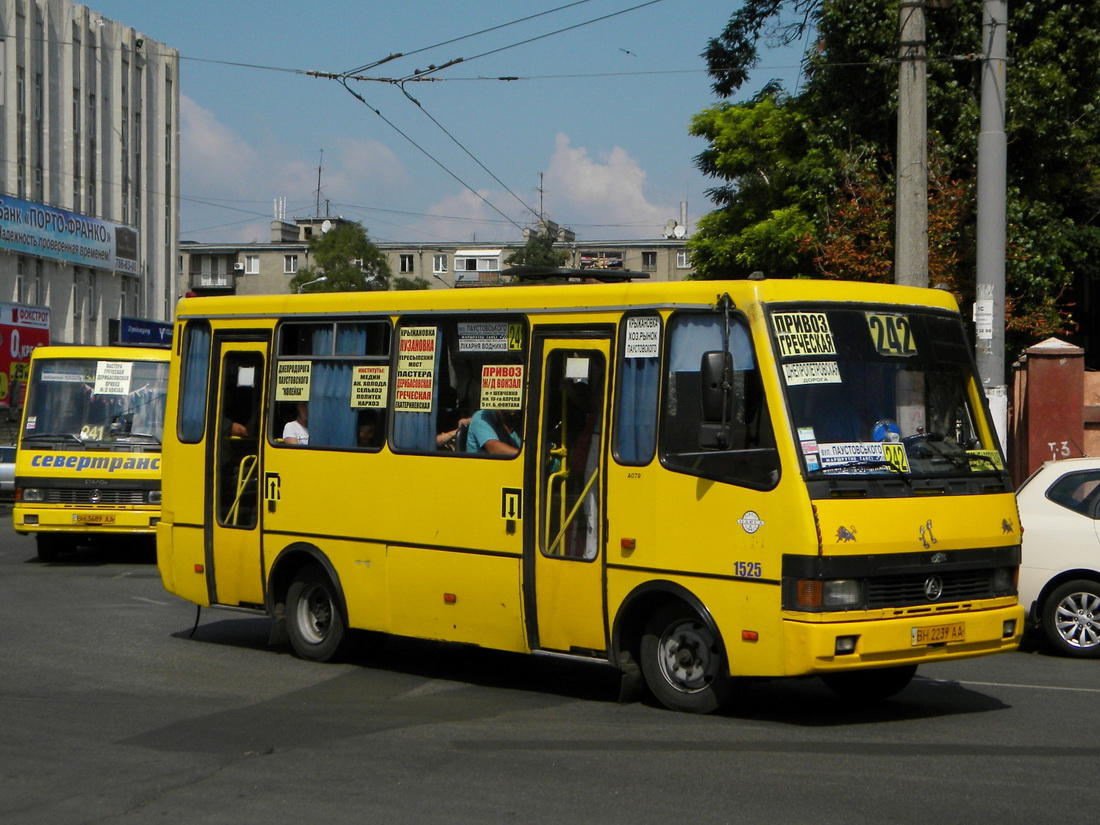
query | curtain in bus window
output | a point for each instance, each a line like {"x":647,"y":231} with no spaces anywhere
{"x":417,"y":430}
{"x":692,"y":336}
{"x":332,"y":421}
{"x":196,"y":367}
{"x":351,"y":339}
{"x":637,"y":433}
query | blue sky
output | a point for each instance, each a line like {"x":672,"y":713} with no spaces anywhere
{"x":598,"y":117}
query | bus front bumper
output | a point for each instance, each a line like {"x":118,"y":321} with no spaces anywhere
{"x":84,"y":520}
{"x":829,"y":646}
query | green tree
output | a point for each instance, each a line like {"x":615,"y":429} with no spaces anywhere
{"x":538,"y":251}
{"x":347,"y":260}
{"x":403,"y":283}
{"x":806,"y":181}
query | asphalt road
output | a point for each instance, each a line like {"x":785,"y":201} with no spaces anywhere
{"x":112,"y":712}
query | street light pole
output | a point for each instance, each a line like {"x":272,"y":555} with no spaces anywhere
{"x":310,"y":283}
{"x":989,"y":306}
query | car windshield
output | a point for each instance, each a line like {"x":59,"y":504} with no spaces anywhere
{"x":875,"y":391}
{"x":91,"y":402}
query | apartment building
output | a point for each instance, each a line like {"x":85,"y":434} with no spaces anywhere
{"x":264,"y":268}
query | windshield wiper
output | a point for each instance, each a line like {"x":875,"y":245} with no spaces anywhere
{"x":128,"y":436}
{"x":62,"y":436}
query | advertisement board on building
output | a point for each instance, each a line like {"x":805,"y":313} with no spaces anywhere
{"x":22,"y":328}
{"x":48,"y":232}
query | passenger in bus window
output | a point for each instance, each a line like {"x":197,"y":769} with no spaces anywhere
{"x":448,"y":440}
{"x":367,"y":431}
{"x":493,"y":432}
{"x":296,"y":431}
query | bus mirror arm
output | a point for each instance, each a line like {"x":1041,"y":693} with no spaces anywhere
{"x":716,"y":380}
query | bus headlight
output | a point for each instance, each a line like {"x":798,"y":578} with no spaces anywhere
{"x":33,"y":494}
{"x":841,"y":593}
{"x":831,"y":593}
{"x":154,"y":496}
{"x":1002,"y":580}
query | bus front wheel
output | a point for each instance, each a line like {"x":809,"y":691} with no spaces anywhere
{"x":682,"y":661}
{"x":313,"y":621}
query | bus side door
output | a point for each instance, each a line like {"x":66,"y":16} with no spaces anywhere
{"x":233,"y":498}
{"x":564,"y":559}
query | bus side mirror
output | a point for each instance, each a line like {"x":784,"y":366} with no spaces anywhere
{"x":716,"y":388}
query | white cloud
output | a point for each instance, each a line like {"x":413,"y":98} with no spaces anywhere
{"x":608,"y":193}
{"x":215,"y":159}
{"x":221,"y":166}
{"x":464,"y":217}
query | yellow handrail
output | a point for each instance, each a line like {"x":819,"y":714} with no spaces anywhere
{"x":244,"y":472}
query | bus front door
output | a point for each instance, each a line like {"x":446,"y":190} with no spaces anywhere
{"x":232,"y":525}
{"x":564,"y":588}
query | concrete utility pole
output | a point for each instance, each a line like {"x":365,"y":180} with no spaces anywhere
{"x":989,"y":308}
{"x":911,"y":213}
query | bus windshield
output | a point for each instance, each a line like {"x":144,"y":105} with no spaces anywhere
{"x":96,"y":403}
{"x":881,"y":392}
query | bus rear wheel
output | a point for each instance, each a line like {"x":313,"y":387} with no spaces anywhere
{"x":870,"y":685}
{"x":316,"y":628}
{"x":682,"y":661}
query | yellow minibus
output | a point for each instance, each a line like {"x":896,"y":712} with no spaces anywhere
{"x":88,"y":461}
{"x":690,"y":482}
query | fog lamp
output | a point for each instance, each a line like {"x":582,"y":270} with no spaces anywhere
{"x":1009,"y":629}
{"x":846,"y":644}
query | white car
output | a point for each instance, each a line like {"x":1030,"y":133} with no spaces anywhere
{"x":1060,"y":569}
{"x":7,"y":471}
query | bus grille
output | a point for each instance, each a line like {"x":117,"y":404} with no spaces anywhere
{"x":898,"y":591}
{"x":79,"y":496}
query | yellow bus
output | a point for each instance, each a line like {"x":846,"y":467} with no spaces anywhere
{"x":87,"y":466}
{"x":691,"y":482}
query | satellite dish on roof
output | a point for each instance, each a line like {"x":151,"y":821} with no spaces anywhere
{"x":326,"y":225}
{"x":679,"y":231}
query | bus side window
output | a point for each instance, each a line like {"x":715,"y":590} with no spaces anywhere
{"x":639,"y":383}
{"x":715,"y":421}
{"x":195,"y":373}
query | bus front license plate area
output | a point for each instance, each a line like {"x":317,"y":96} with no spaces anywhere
{"x":94,"y":518}
{"x":939,"y":634}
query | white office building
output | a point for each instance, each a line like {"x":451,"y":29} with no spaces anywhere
{"x":89,"y":138}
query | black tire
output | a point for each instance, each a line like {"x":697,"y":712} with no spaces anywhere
{"x":683,"y":662}
{"x":870,"y":685}
{"x":50,"y":547}
{"x":314,"y":623}
{"x":1070,"y":617}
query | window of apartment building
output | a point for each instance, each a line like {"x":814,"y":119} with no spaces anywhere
{"x":476,"y":264}
{"x":649,"y":260}
{"x":20,"y":269}
{"x":406,"y":264}
{"x":39,"y":296}
{"x":290,"y":264}
{"x":682,"y":261}
{"x":251,"y":264}
{"x":90,"y":192}
{"x":601,"y":259}
{"x":93,"y":295}
{"x":439,"y":263}
{"x":78,"y":295}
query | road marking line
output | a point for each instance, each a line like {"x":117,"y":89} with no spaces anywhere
{"x":1011,"y":685}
